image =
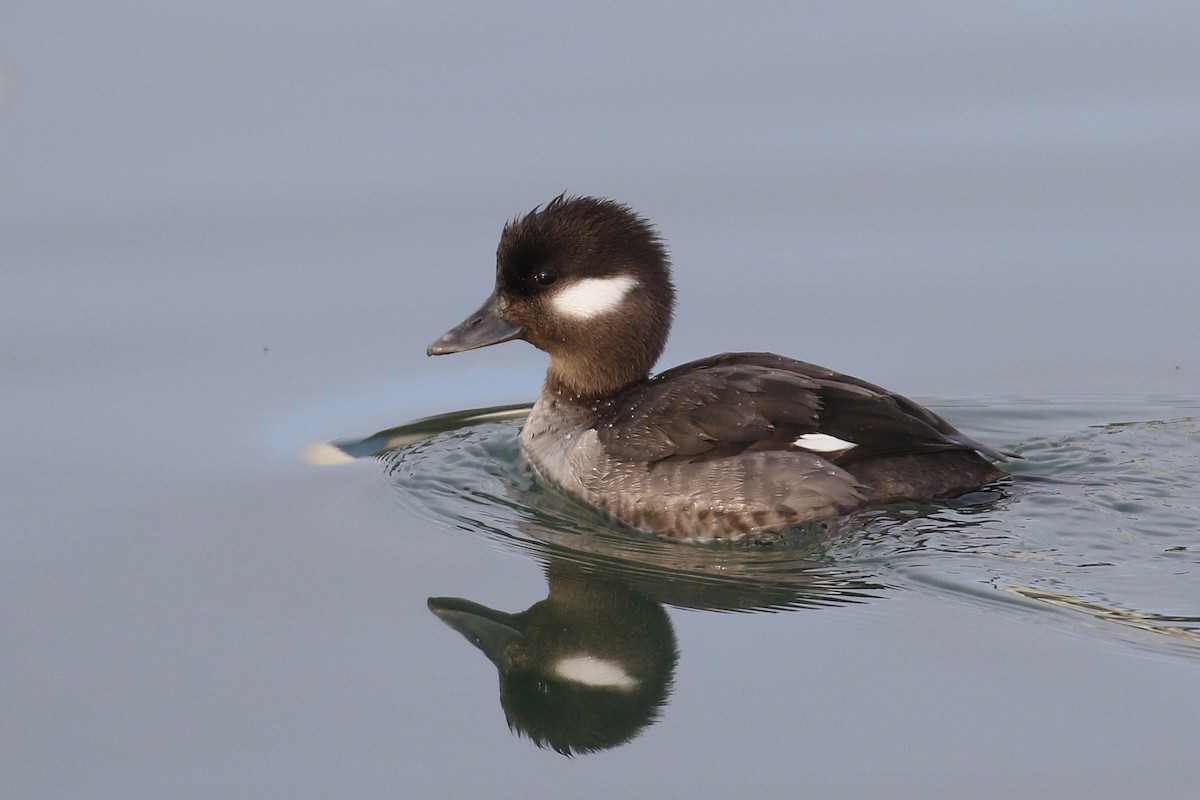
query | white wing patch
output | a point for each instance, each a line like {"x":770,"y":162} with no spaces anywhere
{"x":598,"y":672}
{"x":592,"y":297}
{"x":823,"y":443}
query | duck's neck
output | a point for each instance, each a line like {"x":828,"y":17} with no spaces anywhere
{"x":583,"y":382}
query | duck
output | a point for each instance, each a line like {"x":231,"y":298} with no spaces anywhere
{"x":722,"y":448}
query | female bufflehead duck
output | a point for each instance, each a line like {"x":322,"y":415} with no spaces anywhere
{"x":716,"y":449}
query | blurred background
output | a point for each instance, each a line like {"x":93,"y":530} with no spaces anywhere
{"x":229,"y":229}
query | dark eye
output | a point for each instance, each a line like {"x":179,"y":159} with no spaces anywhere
{"x":546,"y":277}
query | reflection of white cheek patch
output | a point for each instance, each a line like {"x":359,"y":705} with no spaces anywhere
{"x":592,"y":671}
{"x":592,"y":297}
{"x":823,"y":443}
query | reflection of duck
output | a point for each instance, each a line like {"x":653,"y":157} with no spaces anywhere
{"x":590,"y":666}
{"x":585,"y":669}
{"x":716,"y":449}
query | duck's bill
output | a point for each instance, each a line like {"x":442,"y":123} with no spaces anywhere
{"x":486,"y":628}
{"x":486,"y":326}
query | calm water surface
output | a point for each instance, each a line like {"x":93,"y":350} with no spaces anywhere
{"x":229,"y":230}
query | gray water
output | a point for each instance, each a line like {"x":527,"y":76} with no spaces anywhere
{"x":228,"y":231}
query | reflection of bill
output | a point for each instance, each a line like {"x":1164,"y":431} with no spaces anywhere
{"x":585,"y":669}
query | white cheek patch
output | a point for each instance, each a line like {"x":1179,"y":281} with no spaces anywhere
{"x":823,"y":443}
{"x":598,"y":672}
{"x":592,"y":297}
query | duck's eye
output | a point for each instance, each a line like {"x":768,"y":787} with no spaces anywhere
{"x":546,"y":277}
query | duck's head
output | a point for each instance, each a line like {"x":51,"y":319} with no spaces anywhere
{"x":586,"y":280}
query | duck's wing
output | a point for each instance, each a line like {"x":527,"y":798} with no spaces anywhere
{"x":732,"y":403}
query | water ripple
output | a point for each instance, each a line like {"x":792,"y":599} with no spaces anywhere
{"x":1099,"y":533}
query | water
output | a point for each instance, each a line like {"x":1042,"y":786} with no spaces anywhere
{"x":1100,"y":521}
{"x":1095,"y":540}
{"x":230,"y":231}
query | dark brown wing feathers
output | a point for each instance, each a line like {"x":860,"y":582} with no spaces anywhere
{"x":727,"y":404}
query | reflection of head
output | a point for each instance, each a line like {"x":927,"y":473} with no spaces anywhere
{"x":585,"y":669}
